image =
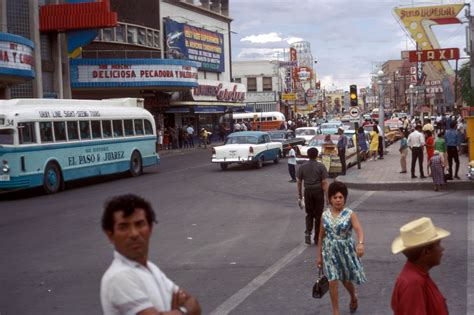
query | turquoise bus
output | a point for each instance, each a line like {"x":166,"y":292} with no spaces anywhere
{"x":48,"y":142}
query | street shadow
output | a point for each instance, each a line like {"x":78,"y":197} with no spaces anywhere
{"x":70,"y":185}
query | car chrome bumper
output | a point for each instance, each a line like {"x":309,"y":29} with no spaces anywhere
{"x":248,"y":159}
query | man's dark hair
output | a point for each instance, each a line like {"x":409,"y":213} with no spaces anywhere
{"x":418,"y":127}
{"x":453,"y":124}
{"x":126,"y":204}
{"x":313,"y":153}
{"x":336,"y":187}
{"x":441,"y":134}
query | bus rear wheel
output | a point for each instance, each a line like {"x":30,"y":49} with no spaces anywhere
{"x":136,"y":165}
{"x":52,"y":179}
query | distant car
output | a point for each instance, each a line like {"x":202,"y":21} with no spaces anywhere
{"x":330,"y":128}
{"x":328,"y":153}
{"x":247,"y":147}
{"x":306,"y":132}
{"x":287,"y":138}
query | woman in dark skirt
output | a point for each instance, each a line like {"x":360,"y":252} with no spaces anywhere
{"x":437,"y":165}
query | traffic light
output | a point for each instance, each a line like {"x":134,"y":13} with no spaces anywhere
{"x":353,"y":95}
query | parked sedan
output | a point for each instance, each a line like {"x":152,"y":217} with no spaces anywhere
{"x":287,"y":138}
{"x":247,"y":147}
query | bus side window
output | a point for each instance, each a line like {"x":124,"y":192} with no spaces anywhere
{"x":128,"y":126}
{"x":59,"y":131}
{"x":46,"y":131}
{"x":106,"y":129}
{"x":72,"y":130}
{"x":95,"y":125}
{"x":85,"y":130}
{"x":118,"y":128}
{"x":26,"y":132}
{"x":138,"y":127}
{"x":148,"y":127}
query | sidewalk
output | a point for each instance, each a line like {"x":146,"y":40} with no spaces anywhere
{"x":196,"y":147}
{"x":385,"y":174}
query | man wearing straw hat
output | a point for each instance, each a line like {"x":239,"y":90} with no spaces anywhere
{"x":415,"y":293}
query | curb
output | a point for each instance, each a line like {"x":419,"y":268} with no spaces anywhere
{"x":402,"y":186}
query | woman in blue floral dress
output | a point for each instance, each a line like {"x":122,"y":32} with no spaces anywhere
{"x":336,"y":249}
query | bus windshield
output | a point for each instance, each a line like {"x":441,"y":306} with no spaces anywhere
{"x":6,"y":136}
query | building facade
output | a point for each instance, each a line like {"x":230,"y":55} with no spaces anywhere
{"x":174,"y":54}
{"x":262,"y":83}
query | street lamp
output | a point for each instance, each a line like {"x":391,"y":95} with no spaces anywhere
{"x":382,"y":81}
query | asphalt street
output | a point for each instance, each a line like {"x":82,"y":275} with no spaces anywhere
{"x":233,"y":238}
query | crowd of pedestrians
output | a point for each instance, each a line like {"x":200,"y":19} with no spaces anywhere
{"x":185,"y":137}
{"x":441,"y":149}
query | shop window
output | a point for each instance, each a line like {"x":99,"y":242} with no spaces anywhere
{"x":252,"y":84}
{"x":267,"y":83}
{"x":238,"y":80}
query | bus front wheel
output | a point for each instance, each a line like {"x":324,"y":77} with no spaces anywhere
{"x":52,"y":180}
{"x":136,"y":166}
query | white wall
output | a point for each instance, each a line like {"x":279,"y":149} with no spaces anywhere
{"x":258,"y":69}
{"x":182,"y":15}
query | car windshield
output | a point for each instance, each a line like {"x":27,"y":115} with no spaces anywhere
{"x":241,"y":140}
{"x":6,"y":136}
{"x":305,"y":132}
{"x":316,"y":142}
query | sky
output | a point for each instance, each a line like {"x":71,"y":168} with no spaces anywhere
{"x":348,"y":37}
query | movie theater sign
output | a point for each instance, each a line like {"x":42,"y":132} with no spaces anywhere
{"x":99,"y":73}
{"x":16,"y":58}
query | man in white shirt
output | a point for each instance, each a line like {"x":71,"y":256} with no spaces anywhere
{"x":416,"y":142}
{"x":190,"y":131}
{"x":292,"y":164}
{"x":132,"y":284}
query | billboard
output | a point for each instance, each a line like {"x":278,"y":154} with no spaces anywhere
{"x":418,"y":21}
{"x":184,"y":41}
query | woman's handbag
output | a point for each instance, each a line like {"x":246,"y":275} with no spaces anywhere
{"x":321,"y":286}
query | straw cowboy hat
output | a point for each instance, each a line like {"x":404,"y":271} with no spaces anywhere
{"x":417,"y":233}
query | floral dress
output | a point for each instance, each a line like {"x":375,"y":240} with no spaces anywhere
{"x":339,"y":254}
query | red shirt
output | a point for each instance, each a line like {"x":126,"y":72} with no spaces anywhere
{"x":416,"y":294}
{"x":430,"y":147}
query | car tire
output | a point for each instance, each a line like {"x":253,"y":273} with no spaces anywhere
{"x":259,"y":163}
{"x":276,"y":160}
{"x":52,"y":178}
{"x":136,"y":164}
{"x":224,"y":166}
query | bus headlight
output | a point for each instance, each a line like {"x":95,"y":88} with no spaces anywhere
{"x":5,"y":167}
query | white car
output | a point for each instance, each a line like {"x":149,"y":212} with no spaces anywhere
{"x":307,"y":133}
{"x":247,"y":147}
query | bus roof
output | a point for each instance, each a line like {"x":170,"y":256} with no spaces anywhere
{"x":53,"y":109}
{"x":129,"y":101}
